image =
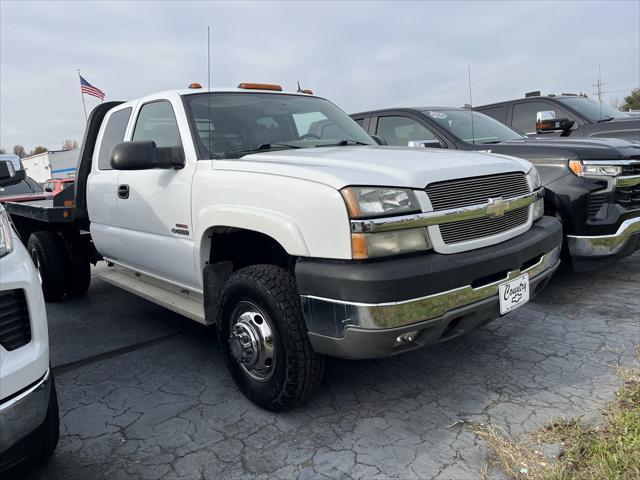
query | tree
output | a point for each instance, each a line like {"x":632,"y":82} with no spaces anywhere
{"x":38,"y":149}
{"x":69,"y":145}
{"x":632,"y":101}
{"x":19,"y":151}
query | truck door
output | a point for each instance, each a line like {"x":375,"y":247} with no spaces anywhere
{"x":102,"y":184}
{"x":154,"y":206}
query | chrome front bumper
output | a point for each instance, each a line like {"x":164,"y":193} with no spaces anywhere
{"x":357,"y":323}
{"x":604,"y":245}
{"x":24,"y":413}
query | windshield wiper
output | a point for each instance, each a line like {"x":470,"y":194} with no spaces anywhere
{"x":491,"y":142}
{"x":608,"y":118}
{"x":265,"y":146}
{"x":343,"y":143}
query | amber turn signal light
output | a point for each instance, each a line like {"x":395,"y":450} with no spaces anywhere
{"x":260,"y":86}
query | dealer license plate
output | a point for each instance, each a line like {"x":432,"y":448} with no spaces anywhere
{"x":514,"y":293}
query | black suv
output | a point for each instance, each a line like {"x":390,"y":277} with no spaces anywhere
{"x":564,"y":115}
{"x":593,"y":186}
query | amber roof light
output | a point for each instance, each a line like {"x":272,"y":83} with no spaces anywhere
{"x":195,"y":85}
{"x":260,"y":86}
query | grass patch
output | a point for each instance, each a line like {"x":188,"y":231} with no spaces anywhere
{"x":607,"y":451}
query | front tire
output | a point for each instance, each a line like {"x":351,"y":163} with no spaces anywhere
{"x":264,"y":340}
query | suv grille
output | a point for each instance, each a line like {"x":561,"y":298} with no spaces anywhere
{"x":629,"y":197}
{"x":474,"y":191}
{"x":15,"y":328}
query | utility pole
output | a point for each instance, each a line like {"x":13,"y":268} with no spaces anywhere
{"x":599,"y":86}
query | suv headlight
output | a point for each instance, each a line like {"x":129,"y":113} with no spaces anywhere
{"x":6,"y":240}
{"x":583,"y":169}
{"x":373,"y":202}
{"x":537,"y":209}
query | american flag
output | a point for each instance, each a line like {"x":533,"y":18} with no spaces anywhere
{"x":89,"y":89}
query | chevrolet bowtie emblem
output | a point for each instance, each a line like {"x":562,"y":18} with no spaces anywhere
{"x":497,"y":207}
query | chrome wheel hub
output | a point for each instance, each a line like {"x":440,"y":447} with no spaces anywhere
{"x":251,"y":341}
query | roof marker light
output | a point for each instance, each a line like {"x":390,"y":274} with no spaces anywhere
{"x":260,"y":86}
{"x":195,"y":85}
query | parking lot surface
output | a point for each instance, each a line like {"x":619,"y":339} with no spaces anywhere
{"x":144,"y":393}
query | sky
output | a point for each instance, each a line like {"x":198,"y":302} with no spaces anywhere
{"x":361,"y":55}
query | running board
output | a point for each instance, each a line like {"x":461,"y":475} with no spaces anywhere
{"x":176,"y":299}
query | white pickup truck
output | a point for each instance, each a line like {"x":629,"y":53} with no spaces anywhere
{"x":276,"y":217}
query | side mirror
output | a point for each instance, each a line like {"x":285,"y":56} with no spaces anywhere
{"x":144,"y":155}
{"x":379,"y":140}
{"x":424,"y":144}
{"x":7,"y":171}
{"x":554,"y":125}
{"x":48,"y":189}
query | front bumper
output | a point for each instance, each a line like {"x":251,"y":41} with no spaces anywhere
{"x":23,"y":413}
{"x":593,"y":251}
{"x":455,"y":293}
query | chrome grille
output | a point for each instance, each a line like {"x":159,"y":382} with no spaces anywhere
{"x":474,"y":191}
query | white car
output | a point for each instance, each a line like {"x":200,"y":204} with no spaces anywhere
{"x":29,"y":423}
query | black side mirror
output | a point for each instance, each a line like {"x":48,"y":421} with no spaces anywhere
{"x":379,"y":140}
{"x":6,"y":170}
{"x":554,"y":125}
{"x":48,"y":189}
{"x":144,"y":155}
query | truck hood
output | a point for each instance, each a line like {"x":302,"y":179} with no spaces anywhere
{"x":374,"y":165}
{"x":584,"y":149}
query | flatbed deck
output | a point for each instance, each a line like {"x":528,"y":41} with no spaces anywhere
{"x":41,"y":210}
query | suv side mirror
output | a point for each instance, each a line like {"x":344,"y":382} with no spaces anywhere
{"x":379,"y":140}
{"x":424,"y":144}
{"x":48,"y":189}
{"x":144,"y":155}
{"x":7,"y":171}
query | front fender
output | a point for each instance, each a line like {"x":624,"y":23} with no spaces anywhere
{"x":268,"y":222}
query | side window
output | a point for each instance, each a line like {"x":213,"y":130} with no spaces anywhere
{"x":113,"y":133}
{"x":400,"y":131}
{"x":157,"y":122}
{"x":524,"y":115}
{"x":499,"y":113}
{"x":359,"y":121}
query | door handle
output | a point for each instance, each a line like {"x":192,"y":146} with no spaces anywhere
{"x":123,"y":191}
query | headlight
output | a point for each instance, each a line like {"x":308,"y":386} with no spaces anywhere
{"x":6,"y":240}
{"x":594,"y":170}
{"x":367,"y":202}
{"x":533,"y":176}
{"x":381,"y":244}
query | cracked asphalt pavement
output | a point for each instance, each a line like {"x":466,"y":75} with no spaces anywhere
{"x":144,"y":393}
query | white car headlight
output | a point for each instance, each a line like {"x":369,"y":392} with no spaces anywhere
{"x":6,"y":240}
{"x":367,"y":202}
{"x":537,"y":209}
{"x":373,"y":202}
{"x":533,"y":176}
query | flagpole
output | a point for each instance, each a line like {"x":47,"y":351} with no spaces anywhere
{"x":82,"y":95}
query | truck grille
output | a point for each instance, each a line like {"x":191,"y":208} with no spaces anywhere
{"x":15,"y":327}
{"x":629,"y":197}
{"x":473,"y":191}
{"x":594,"y":203}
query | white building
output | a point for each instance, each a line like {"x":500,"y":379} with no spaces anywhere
{"x":52,"y":164}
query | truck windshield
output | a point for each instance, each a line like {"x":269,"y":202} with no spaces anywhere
{"x":16,"y":189}
{"x":592,"y":110}
{"x":485,"y":129}
{"x":229,"y":125}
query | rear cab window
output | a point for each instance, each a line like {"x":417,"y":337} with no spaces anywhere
{"x":114,"y":132}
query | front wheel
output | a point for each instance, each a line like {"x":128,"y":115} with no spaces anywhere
{"x":264,"y":339}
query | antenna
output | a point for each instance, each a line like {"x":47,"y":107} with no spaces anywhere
{"x":473,"y":134}
{"x":209,"y":89}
